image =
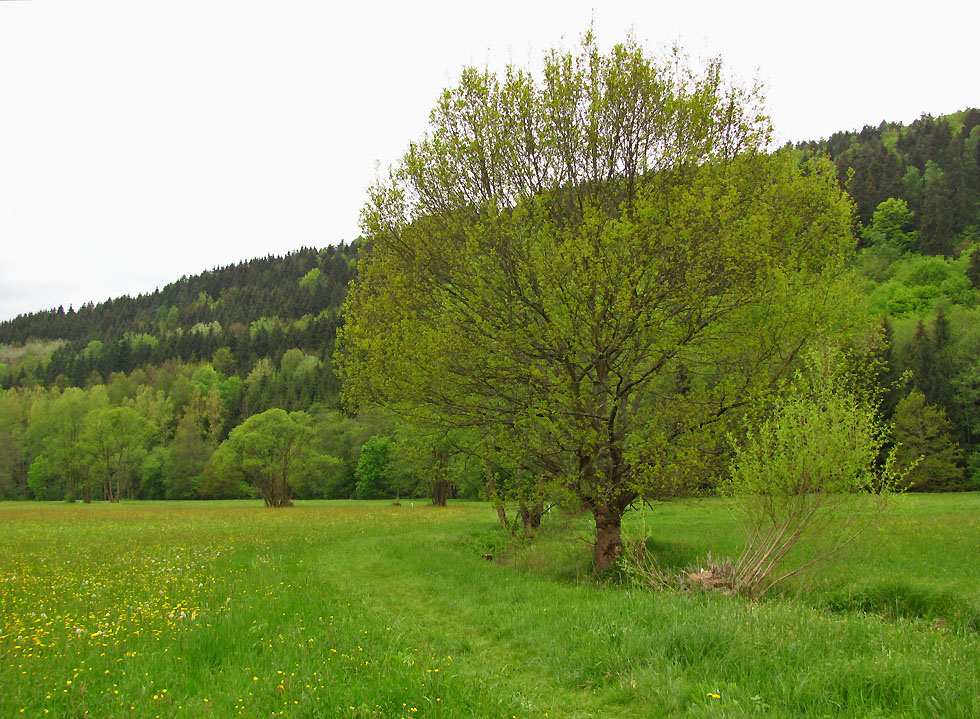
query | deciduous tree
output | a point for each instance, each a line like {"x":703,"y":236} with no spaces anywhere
{"x":806,"y":475}
{"x":115,"y":441}
{"x":593,"y":271}
{"x":271,"y":450}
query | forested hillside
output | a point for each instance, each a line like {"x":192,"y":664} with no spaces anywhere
{"x":933,"y":165}
{"x":196,"y":359}
{"x":256,"y":309}
{"x":917,"y":192}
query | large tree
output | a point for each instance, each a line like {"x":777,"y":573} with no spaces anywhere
{"x":593,"y":271}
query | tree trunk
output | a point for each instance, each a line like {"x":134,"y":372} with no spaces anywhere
{"x":531,"y":517}
{"x":440,"y":488}
{"x":498,"y":503}
{"x":608,"y":539}
{"x":440,"y":492}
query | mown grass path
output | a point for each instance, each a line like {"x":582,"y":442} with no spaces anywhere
{"x":369,"y":610}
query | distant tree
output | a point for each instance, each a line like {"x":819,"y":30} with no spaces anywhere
{"x":936,"y":226}
{"x":57,"y":435}
{"x":890,"y":226}
{"x":156,"y":407}
{"x":115,"y":441}
{"x":921,"y":359}
{"x":372,"y":468}
{"x":342,"y":437}
{"x":231,"y":392}
{"x":876,"y":174}
{"x":311,"y":281}
{"x":973,"y":471}
{"x":221,"y":479}
{"x":912,"y":188}
{"x":965,"y":401}
{"x":224,"y":361}
{"x":189,"y":452}
{"x":942,"y":370}
{"x":922,"y":430}
{"x":41,"y":478}
{"x":11,"y":465}
{"x":154,"y":473}
{"x":427,"y":463}
{"x":973,"y":268}
{"x":271,"y":450}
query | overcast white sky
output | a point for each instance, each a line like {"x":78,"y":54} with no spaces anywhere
{"x":144,"y":140}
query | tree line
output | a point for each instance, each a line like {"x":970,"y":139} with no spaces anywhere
{"x":190,"y":432}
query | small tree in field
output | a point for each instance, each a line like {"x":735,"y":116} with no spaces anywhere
{"x":808,"y":478}
{"x":372,"y":467}
{"x":270,"y":450}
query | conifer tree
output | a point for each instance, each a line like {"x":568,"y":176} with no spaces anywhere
{"x":938,"y":214}
{"x":973,"y":268}
{"x":923,"y":430}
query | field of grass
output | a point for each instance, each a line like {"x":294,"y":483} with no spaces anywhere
{"x":345,"y":609}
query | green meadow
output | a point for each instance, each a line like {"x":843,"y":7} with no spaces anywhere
{"x":365,"y":609}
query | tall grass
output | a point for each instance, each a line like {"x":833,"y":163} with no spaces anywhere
{"x":369,"y":610}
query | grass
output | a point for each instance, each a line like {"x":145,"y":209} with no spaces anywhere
{"x":346,"y":609}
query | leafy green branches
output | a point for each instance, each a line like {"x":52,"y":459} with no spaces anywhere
{"x":593,"y":271}
{"x":271,"y":451}
{"x":809,"y":478}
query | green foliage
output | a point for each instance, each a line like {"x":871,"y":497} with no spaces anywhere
{"x":973,"y":471}
{"x":11,"y":465}
{"x":56,"y":433}
{"x":922,"y":430}
{"x":314,"y":479}
{"x":187,"y":456}
{"x":889,"y":226}
{"x":973,"y":268}
{"x":965,"y":400}
{"x":271,"y":450}
{"x":41,"y":478}
{"x":155,"y":473}
{"x":804,"y":477}
{"x":593,"y":300}
{"x":115,"y":441}
{"x":918,"y":284}
{"x":222,"y":479}
{"x":311,"y":280}
{"x":141,"y":340}
{"x":372,"y":468}
{"x":340,"y":436}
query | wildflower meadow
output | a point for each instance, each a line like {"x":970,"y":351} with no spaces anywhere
{"x":346,"y":609}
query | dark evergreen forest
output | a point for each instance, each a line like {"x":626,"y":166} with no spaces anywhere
{"x":235,"y":315}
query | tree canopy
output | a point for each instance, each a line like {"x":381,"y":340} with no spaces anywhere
{"x":594,"y":270}
{"x":271,"y":451}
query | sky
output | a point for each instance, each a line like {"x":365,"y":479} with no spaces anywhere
{"x":144,"y":140}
